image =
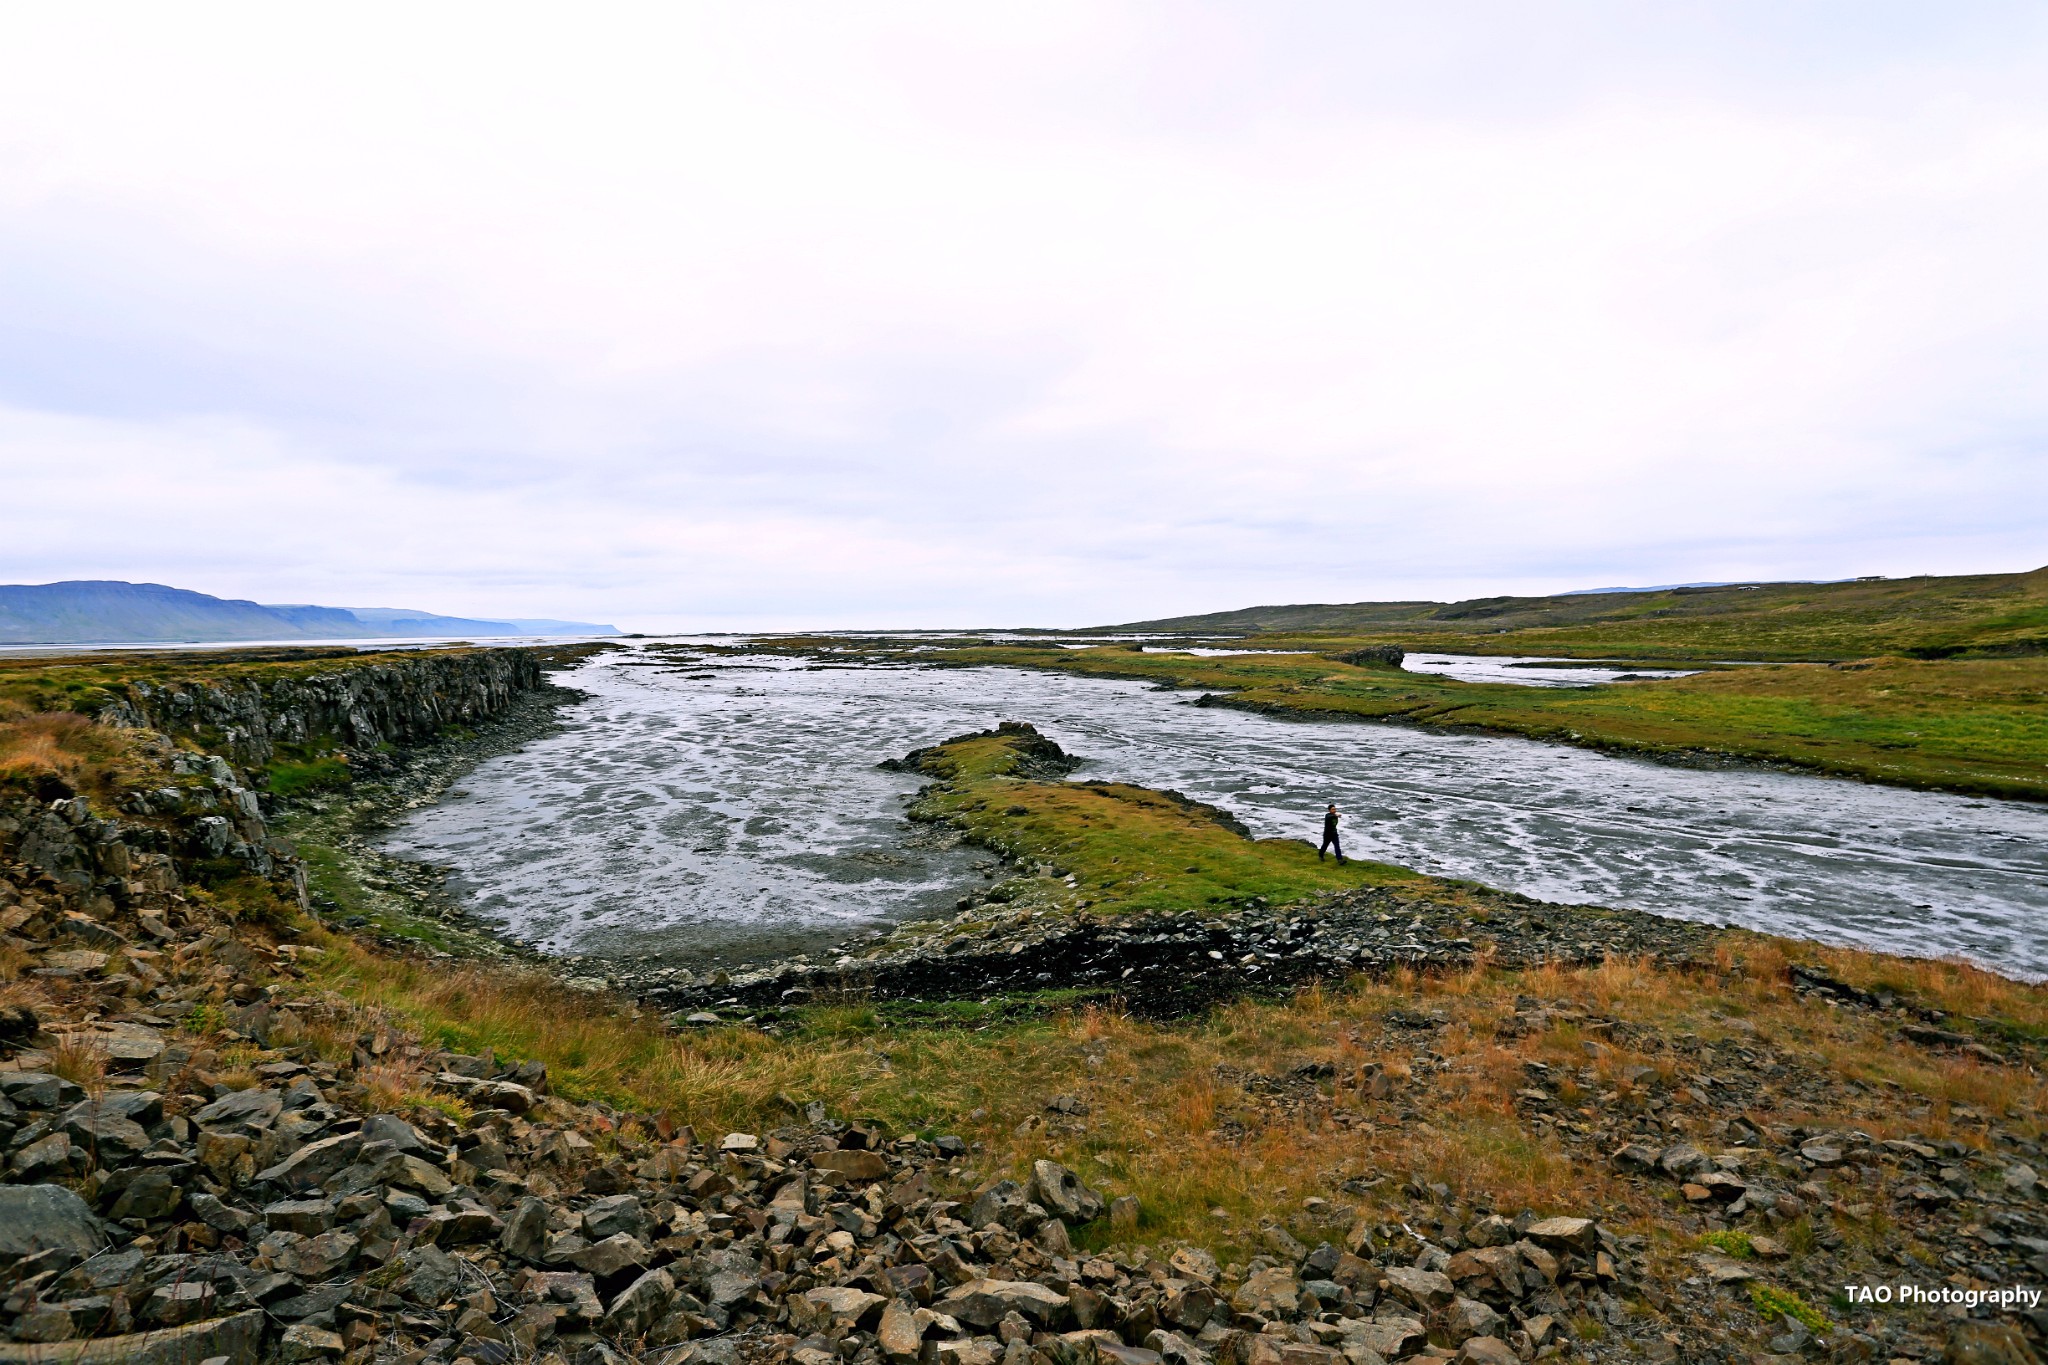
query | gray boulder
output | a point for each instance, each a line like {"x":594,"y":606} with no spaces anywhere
{"x":315,"y":1163}
{"x":640,"y":1305}
{"x":429,"y":1275}
{"x":612,"y":1215}
{"x":104,"y":1131}
{"x":1003,"y":1202}
{"x":400,"y":1134}
{"x":728,"y":1276}
{"x":526,"y":1230}
{"x":615,"y":1254}
{"x":1425,"y":1289}
{"x":237,"y":1340}
{"x":45,"y":1218}
{"x":245,"y":1111}
{"x":1063,"y":1194}
{"x":985,"y":1302}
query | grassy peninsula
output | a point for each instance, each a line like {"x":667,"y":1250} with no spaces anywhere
{"x":1117,"y":848}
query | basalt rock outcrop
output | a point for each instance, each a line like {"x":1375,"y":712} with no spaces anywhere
{"x":203,"y":813}
{"x":1374,"y":656}
{"x":200,"y":812}
{"x":397,"y":699}
{"x":1168,"y":965}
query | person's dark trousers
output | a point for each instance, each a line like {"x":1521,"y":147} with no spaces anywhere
{"x":1330,"y":842}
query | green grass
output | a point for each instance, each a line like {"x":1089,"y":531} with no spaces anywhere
{"x":244,"y":898}
{"x":332,"y":883}
{"x":1730,"y":1242}
{"x":313,"y":775}
{"x":205,"y":1019}
{"x":1126,"y":849}
{"x":1773,"y":1302}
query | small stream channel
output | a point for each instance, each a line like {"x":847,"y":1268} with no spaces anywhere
{"x":735,"y":807}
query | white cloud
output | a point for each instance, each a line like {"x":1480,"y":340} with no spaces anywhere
{"x":1085,"y":312}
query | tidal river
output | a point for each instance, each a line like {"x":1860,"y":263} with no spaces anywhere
{"x":735,"y":806}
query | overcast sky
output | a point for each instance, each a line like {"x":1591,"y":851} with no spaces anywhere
{"x":764,"y":315}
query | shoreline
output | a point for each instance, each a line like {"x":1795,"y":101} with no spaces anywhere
{"x":404,"y":903}
{"x":987,"y":948}
{"x":407,"y":904}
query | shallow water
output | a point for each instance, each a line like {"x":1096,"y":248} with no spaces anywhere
{"x":1517,"y":669}
{"x":691,"y":810}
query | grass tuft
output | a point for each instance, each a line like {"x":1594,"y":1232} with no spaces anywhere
{"x":1773,"y":1302}
{"x":77,"y":1060}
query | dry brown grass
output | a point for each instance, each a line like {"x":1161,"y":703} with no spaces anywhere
{"x":1957,"y":987}
{"x":34,"y":744}
{"x":62,"y":745}
{"x":1205,"y":1121}
{"x":81,"y":1062}
{"x":402,"y":1087}
{"x":329,"y":1030}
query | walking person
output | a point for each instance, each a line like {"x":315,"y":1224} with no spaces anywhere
{"x":1330,"y":834}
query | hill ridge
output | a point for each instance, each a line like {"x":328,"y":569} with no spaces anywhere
{"x":115,"y":611}
{"x":1928,"y":616}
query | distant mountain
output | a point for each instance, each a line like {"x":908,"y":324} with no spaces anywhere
{"x":105,"y":611}
{"x":1717,"y":583}
{"x":1655,"y":587}
{"x":404,"y":621}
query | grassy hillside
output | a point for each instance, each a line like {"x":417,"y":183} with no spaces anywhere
{"x":1980,"y":614}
